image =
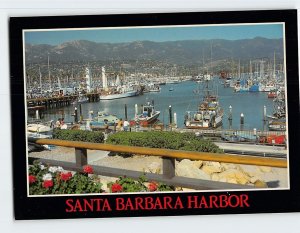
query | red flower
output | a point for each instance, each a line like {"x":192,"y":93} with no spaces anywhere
{"x":88,"y":169}
{"x":32,"y":179}
{"x":65,"y":176}
{"x":47,"y":184}
{"x":152,"y":187}
{"x":115,"y":188}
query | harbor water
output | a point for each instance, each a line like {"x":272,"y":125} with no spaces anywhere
{"x":182,"y":97}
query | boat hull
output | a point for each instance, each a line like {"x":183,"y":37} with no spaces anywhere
{"x":119,"y":96}
{"x":151,"y":119}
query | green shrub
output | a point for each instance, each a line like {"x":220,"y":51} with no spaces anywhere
{"x":78,"y":135}
{"x":166,"y":140}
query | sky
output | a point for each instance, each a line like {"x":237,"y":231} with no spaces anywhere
{"x":229,"y":32}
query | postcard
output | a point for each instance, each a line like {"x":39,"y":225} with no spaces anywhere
{"x":155,"y":114}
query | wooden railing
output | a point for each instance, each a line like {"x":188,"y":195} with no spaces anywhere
{"x":168,"y":158}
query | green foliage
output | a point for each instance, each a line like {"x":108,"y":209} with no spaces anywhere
{"x":78,"y":135}
{"x":163,"y":187}
{"x":140,"y":185}
{"x":78,"y":183}
{"x":166,"y":140}
{"x":130,"y":185}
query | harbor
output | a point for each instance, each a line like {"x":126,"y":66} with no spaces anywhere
{"x":214,"y":120}
{"x":181,"y":100}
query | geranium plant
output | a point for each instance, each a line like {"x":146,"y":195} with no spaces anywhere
{"x":125,"y":184}
{"x":55,"y":180}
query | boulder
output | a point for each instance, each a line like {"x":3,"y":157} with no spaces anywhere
{"x":215,"y":177}
{"x":254,"y":179}
{"x":260,"y":184}
{"x":227,"y":166}
{"x":198,"y":163}
{"x":212,"y":167}
{"x":154,"y":167}
{"x":234,"y":176}
{"x":265,"y":169}
{"x":250,"y":170}
{"x":187,"y":168}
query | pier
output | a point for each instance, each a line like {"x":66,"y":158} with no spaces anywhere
{"x":59,"y":101}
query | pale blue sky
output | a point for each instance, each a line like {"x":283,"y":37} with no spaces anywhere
{"x":232,"y":32}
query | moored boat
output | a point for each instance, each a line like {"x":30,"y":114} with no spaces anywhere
{"x":117,"y":91}
{"x":149,"y":114}
{"x":103,"y":119}
{"x":209,"y":114}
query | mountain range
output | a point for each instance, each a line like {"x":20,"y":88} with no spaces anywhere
{"x":177,"y":52}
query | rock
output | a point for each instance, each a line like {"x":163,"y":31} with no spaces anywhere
{"x":260,"y":184}
{"x":215,"y":177}
{"x":227,"y":166}
{"x":265,"y":169}
{"x":234,"y":176}
{"x":250,"y":170}
{"x":154,"y":167}
{"x":232,"y":181}
{"x":198,"y":163}
{"x":222,"y":179}
{"x":212,"y":167}
{"x":187,"y":190}
{"x":187,"y":168}
{"x":254,"y":179}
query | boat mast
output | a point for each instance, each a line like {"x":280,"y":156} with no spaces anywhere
{"x":40,"y":77}
{"x":250,"y":70}
{"x":49,"y":75}
{"x":211,"y":57}
{"x":239,"y":75}
{"x":104,"y":79}
{"x":88,"y":79}
{"x":274,"y":66}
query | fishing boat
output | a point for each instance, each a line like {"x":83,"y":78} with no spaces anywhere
{"x":272,"y":94}
{"x":103,"y":119}
{"x":81,"y":99}
{"x":148,"y":115}
{"x":277,"y":125}
{"x":227,"y":82}
{"x":153,"y":87}
{"x":209,"y":114}
{"x":277,"y":121}
{"x":116,"y":91}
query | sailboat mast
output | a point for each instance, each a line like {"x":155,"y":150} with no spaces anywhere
{"x":211,"y":57}
{"x":40,"y":77}
{"x":239,"y":69}
{"x":49,"y":75}
{"x":250,"y":70}
{"x":274,"y":66}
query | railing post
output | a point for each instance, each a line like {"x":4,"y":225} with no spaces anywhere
{"x":168,"y":167}
{"x":81,"y":157}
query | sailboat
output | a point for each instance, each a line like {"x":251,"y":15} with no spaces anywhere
{"x":209,"y":114}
